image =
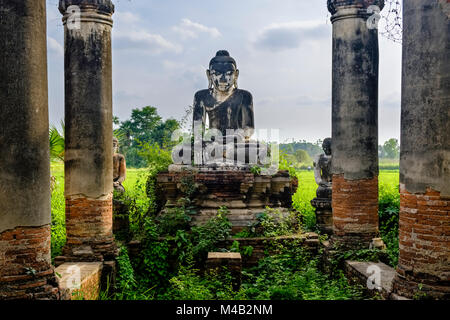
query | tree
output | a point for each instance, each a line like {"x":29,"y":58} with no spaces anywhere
{"x":391,"y":149}
{"x":302,"y":156}
{"x":144,"y":127}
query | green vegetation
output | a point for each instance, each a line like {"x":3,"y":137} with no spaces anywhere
{"x":390,"y":149}
{"x":172,"y":252}
{"x":291,"y":274}
{"x":144,"y":128}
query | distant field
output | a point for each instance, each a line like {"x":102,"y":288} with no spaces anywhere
{"x":389,"y":164}
{"x":388,"y":182}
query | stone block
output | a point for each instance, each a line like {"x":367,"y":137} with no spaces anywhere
{"x":80,"y":280}
{"x":374,"y":276}
{"x":232,"y":261}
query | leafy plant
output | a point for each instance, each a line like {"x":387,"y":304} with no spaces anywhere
{"x":256,"y":170}
{"x":57,"y":142}
{"x":205,"y":237}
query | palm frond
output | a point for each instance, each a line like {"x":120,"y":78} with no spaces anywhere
{"x":57,"y":144}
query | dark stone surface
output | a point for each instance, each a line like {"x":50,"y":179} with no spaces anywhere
{"x":355,"y":97}
{"x":226,"y":106}
{"x":24,"y":158}
{"x":240,"y":103}
{"x":105,"y":6}
{"x":333,"y":5}
{"x":88,"y":111}
{"x":425,"y":136}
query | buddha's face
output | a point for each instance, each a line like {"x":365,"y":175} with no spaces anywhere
{"x":327,"y":147}
{"x":223,"y":76}
{"x":115,"y":146}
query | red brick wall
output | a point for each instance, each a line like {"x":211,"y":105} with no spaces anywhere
{"x":88,"y":219}
{"x":89,"y":222}
{"x":355,"y":211}
{"x":424,"y":238}
{"x":25,"y":268}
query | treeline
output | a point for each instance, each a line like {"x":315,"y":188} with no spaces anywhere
{"x":302,"y":153}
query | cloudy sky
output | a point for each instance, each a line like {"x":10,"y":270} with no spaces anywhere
{"x":161,"y":49}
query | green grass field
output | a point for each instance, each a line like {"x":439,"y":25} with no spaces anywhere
{"x":388,"y":183}
{"x":135,"y":182}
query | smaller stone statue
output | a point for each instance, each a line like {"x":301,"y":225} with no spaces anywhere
{"x":322,"y":170}
{"x":121,"y":220}
{"x":119,"y":168}
{"x":323,"y":176}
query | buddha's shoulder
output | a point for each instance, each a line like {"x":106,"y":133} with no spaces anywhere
{"x":202,"y":94}
{"x":246,"y":95}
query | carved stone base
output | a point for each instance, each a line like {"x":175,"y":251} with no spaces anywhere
{"x":242,"y":192}
{"x":324,"y":214}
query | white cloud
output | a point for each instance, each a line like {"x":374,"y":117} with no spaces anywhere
{"x":55,"y":46}
{"x":129,"y":34}
{"x":189,"y":29}
{"x":146,"y":41}
{"x":126,"y":18}
{"x":290,"y":35}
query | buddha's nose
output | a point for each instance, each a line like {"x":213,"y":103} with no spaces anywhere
{"x":223,"y":78}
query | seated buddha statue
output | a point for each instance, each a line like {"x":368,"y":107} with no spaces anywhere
{"x":223,"y":106}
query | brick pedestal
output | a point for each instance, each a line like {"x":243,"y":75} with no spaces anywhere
{"x":242,"y":192}
{"x":424,"y":236}
{"x":25,"y":268}
{"x":324,"y":214}
{"x":355,"y":211}
{"x":89,"y":230}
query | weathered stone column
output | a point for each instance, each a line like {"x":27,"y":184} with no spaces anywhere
{"x":88,"y":120}
{"x":354,"y":123}
{"x":425,"y":152}
{"x":25,"y":216}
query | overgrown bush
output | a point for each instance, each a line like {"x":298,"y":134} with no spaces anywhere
{"x":389,"y":207}
{"x":205,"y":237}
{"x":271,"y":223}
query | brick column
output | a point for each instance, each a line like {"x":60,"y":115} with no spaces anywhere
{"x":88,"y":119}
{"x":424,"y":263}
{"x":354,"y":123}
{"x":25,"y":266}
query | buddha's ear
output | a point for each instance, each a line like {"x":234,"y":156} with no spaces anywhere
{"x":210,"y":81}
{"x":236,"y":79}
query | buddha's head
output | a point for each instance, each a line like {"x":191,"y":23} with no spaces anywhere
{"x":222,"y":73}
{"x":326,"y":145}
{"x":115,"y":145}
